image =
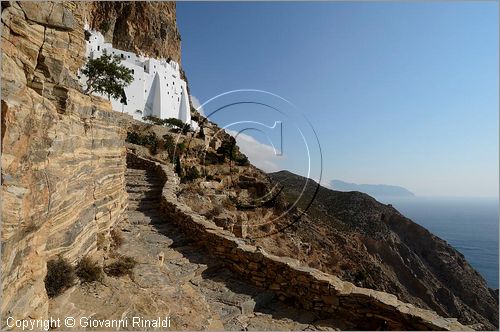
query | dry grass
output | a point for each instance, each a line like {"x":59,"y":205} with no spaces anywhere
{"x":116,"y":237}
{"x":60,"y":276}
{"x":88,"y":270}
{"x":123,"y":265}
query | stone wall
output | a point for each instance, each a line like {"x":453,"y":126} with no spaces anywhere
{"x":63,"y":153}
{"x":293,"y":283}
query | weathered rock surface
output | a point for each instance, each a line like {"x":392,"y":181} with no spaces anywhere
{"x":148,"y":28}
{"x":63,"y":153}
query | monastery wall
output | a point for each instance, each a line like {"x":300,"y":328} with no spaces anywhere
{"x":157,"y":89}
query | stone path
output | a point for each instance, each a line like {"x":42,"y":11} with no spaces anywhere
{"x":190,"y":287}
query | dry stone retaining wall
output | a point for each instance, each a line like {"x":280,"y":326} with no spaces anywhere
{"x":302,"y":286}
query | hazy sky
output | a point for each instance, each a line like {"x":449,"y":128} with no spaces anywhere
{"x":398,"y":93}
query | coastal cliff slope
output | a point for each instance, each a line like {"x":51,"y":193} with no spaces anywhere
{"x":371,"y":244}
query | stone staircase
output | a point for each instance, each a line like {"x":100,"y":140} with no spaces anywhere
{"x":176,"y":278}
{"x":144,"y":189}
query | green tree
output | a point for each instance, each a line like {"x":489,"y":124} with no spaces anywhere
{"x":105,"y":75}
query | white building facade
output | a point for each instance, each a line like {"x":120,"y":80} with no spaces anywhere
{"x":157,"y":89}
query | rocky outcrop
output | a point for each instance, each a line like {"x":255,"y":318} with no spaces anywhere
{"x":371,"y":244}
{"x":63,"y":154}
{"x":148,"y":28}
{"x":305,"y":287}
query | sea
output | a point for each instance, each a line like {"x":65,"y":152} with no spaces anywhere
{"x":470,"y":225}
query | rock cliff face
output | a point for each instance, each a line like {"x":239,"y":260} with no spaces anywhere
{"x":148,"y":28}
{"x":63,"y":154}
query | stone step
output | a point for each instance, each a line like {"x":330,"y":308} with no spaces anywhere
{"x":141,"y":176}
{"x":131,"y":169}
{"x":143,"y":206}
{"x":152,"y":178}
{"x":144,"y":196}
{"x":143,"y":189}
{"x":137,"y":171}
{"x":144,"y":181}
{"x":144,"y":185}
{"x":151,"y":215}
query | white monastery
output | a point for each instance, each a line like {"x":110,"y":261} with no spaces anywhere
{"x":157,"y":89}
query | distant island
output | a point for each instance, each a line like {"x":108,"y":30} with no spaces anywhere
{"x":372,"y":189}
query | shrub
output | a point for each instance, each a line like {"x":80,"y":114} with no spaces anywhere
{"x":176,"y":123}
{"x":181,"y":147}
{"x":153,"y":120}
{"x":241,"y":160}
{"x":186,"y":128}
{"x":227,"y":148}
{"x":191,"y":174}
{"x":150,"y":140}
{"x":211,"y":158}
{"x":60,"y":276}
{"x":123,"y":265}
{"x":360,"y":276}
{"x":173,"y":122}
{"x":116,"y":237}
{"x":104,"y":27}
{"x":88,"y":270}
{"x":169,"y":144}
{"x":134,"y":138}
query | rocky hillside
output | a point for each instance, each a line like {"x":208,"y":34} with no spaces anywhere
{"x":351,"y":235}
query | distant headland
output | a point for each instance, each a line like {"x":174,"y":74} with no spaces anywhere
{"x":372,"y":189}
